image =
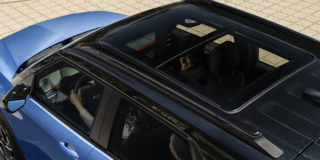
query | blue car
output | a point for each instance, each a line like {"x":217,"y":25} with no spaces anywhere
{"x":34,"y":132}
{"x":191,"y":80}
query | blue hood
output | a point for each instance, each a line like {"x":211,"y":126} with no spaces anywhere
{"x":20,"y":46}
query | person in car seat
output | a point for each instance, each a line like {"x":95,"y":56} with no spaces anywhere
{"x":133,"y":119}
{"x":179,"y":148}
{"x":191,"y":66}
{"x":84,"y":114}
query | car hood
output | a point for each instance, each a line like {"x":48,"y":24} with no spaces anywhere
{"x":20,"y":46}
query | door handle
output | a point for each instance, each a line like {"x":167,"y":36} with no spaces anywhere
{"x":69,"y":150}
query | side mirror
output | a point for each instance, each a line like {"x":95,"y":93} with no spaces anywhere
{"x":15,"y":98}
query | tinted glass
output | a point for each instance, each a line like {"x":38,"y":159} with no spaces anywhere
{"x":54,"y":87}
{"x":157,"y":38}
{"x":234,"y":67}
{"x":211,"y":149}
{"x":138,"y":136}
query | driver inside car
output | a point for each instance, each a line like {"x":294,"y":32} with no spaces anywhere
{"x":192,"y":66}
{"x":75,"y":99}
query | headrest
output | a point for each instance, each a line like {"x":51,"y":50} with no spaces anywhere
{"x":208,"y":48}
{"x":230,"y":57}
{"x":145,"y":117}
{"x":215,"y":61}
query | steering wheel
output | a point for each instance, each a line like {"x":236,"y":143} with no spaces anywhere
{"x":77,"y":86}
{"x":90,"y":95}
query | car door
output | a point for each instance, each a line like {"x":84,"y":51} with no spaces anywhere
{"x":49,"y":126}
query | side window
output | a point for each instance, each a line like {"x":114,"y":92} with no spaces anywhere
{"x":209,"y":148}
{"x":137,"y":135}
{"x":56,"y":85}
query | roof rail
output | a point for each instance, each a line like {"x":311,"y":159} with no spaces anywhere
{"x":244,"y":132}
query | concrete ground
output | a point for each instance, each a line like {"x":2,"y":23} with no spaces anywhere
{"x":300,"y":15}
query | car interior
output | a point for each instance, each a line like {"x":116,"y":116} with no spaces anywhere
{"x":226,"y":66}
{"x":158,"y":47}
{"x":140,"y":136}
{"x":53,"y":87}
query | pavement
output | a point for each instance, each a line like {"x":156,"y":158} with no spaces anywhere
{"x":300,"y":15}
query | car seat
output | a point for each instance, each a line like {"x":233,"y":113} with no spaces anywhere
{"x":225,"y":78}
{"x":145,"y":138}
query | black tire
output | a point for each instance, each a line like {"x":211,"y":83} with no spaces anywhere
{"x":9,"y":148}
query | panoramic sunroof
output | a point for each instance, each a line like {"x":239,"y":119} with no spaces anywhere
{"x":234,"y":67}
{"x":228,"y":64}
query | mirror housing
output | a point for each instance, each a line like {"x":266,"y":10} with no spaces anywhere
{"x":14,"y":99}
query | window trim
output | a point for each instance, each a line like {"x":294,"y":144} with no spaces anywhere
{"x":96,"y":126}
